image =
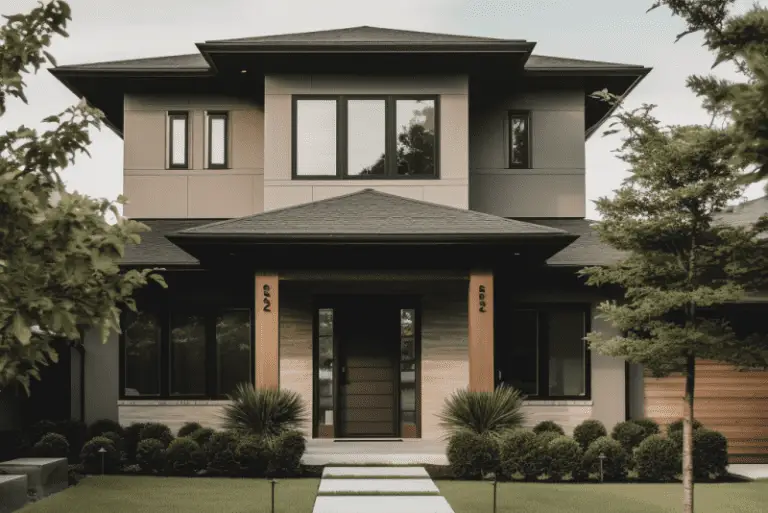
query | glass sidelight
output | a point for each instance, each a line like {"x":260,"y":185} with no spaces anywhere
{"x":325,"y":382}
{"x":408,"y":366}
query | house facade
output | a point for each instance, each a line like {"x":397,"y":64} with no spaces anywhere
{"x":372,"y":218}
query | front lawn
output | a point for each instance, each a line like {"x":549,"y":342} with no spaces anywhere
{"x":140,"y":494}
{"x":471,"y":497}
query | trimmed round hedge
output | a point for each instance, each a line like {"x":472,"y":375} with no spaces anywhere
{"x":220,"y":453}
{"x":184,"y":457}
{"x":650,"y":426}
{"x":628,"y":434}
{"x":116,"y":439}
{"x":131,"y":439}
{"x":548,"y":425}
{"x":710,"y":454}
{"x":287,"y":450}
{"x":150,"y":455}
{"x":253,"y":454}
{"x":471,"y":454}
{"x":51,"y":445}
{"x":677,"y":426}
{"x":201,"y":435}
{"x":520,"y":454}
{"x":99,"y":427}
{"x":564,"y":456}
{"x":188,"y":428}
{"x":615,"y":462}
{"x":91,"y":458}
{"x":657,"y":459}
{"x":157,"y":431}
{"x":589,"y":431}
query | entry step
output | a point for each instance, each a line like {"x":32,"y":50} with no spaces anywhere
{"x":378,"y":504}
{"x":375,"y":472}
{"x":377,"y":486}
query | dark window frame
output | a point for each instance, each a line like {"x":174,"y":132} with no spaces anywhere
{"x":543,"y":310}
{"x":342,"y":141}
{"x":164,"y":316}
{"x":212,"y":115}
{"x":526,"y":115}
{"x":173,"y":115}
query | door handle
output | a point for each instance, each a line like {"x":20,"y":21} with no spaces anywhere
{"x":499,"y":374}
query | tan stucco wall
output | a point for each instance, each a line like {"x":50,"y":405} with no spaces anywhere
{"x":154,"y":191}
{"x":555,"y":184}
{"x":450,"y":189}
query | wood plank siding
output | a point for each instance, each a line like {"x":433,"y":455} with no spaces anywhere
{"x":728,"y":400}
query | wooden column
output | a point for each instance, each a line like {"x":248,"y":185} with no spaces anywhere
{"x":267,"y":332}
{"x":481,"y":331}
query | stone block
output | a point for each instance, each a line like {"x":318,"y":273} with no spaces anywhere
{"x":44,"y":475}
{"x":13,"y":492}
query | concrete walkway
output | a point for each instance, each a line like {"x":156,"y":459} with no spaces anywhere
{"x":379,"y":490}
{"x":405,"y":452}
{"x":749,"y":470}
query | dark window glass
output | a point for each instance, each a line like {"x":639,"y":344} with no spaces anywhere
{"x":315,"y":137}
{"x":178,"y":138}
{"x":188,"y":360}
{"x":233,"y":349}
{"x":416,"y":141}
{"x":566,"y":353}
{"x":519,"y":137}
{"x":519,"y":352}
{"x":407,"y":366}
{"x":142,"y":354}
{"x":325,"y":369}
{"x":217,"y":139}
{"x":366,"y":140}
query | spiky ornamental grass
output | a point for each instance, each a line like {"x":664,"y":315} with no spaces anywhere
{"x":491,"y":413}
{"x":264,"y":412}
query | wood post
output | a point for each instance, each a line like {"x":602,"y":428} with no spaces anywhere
{"x":480,"y":302}
{"x":267,"y":331}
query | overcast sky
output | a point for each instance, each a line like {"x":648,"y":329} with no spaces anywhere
{"x":609,"y":30}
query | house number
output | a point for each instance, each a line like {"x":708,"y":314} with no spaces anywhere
{"x":267,"y":299}
{"x":482,"y":298}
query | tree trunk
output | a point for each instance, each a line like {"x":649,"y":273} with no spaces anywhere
{"x":690,"y":377}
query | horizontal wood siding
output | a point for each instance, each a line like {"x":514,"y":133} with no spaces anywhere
{"x":728,"y":400}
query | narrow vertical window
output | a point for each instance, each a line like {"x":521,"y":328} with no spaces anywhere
{"x":233,"y":350}
{"x":325,"y":373}
{"x":408,"y":421}
{"x":142,"y":355}
{"x":218,"y":139}
{"x":178,"y":140}
{"x":188,"y":355}
{"x":519,"y":140}
{"x":567,"y":353}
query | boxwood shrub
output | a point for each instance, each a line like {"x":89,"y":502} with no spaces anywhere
{"x":184,"y":457}
{"x":220,"y":454}
{"x":710,"y":454}
{"x":677,"y":426}
{"x":188,"y":428}
{"x":628,"y":434}
{"x":102,"y":426}
{"x":253,"y":454}
{"x":589,"y":431}
{"x":91,"y":458}
{"x":287,"y":450}
{"x":615,"y":462}
{"x":650,"y":426}
{"x":548,"y":425}
{"x":150,"y":455}
{"x":116,"y":439}
{"x":51,"y":445}
{"x":470,"y":455}
{"x":157,"y":431}
{"x":201,"y":435}
{"x":131,"y":439}
{"x":564,"y":456}
{"x":657,"y":459}
{"x":520,"y":454}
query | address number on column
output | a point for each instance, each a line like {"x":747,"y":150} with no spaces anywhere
{"x":481,"y":294}
{"x":267,"y":299}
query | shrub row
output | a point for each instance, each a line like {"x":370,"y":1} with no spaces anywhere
{"x":545,"y":452}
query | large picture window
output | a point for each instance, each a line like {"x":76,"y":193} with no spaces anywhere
{"x":351,"y":137}
{"x":185,"y":354}
{"x":541,"y":351}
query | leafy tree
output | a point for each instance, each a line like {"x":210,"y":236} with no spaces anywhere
{"x":682,"y":264}
{"x":59,"y":254}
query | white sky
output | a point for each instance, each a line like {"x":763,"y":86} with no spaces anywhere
{"x":609,"y":30}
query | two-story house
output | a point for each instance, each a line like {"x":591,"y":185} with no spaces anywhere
{"x":372,"y":218}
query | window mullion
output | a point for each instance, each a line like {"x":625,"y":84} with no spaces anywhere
{"x":543,"y":345}
{"x":341,"y":137}
{"x":211,"y":355}
{"x":165,"y":353}
{"x":390,"y":137}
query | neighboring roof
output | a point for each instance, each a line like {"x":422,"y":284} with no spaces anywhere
{"x":371,"y":215}
{"x":588,"y":249}
{"x":364,"y":34}
{"x":745,"y":213}
{"x":155,"y":249}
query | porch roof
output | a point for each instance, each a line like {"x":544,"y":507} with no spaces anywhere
{"x":371,"y":216}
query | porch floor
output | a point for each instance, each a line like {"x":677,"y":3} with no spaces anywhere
{"x":407,"y":452}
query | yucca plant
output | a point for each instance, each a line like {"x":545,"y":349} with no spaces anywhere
{"x":492,"y":413}
{"x":265,"y":412}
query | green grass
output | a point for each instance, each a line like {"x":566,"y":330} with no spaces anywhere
{"x":471,"y":497}
{"x":141,"y":494}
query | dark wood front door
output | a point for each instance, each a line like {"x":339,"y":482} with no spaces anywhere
{"x":368,"y":360}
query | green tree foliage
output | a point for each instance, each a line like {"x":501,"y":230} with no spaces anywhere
{"x":59,"y":253}
{"x":740,"y":40}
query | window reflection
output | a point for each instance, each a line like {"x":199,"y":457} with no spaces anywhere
{"x":325,"y":372}
{"x":408,"y":371}
{"x":233,"y":349}
{"x":416,"y":152}
{"x":367,"y":137}
{"x":316,"y":137}
{"x":518,"y":140}
{"x":142,"y":355}
{"x":187,"y":354}
{"x":567,"y":355}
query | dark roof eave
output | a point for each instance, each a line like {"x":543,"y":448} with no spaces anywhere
{"x":290,"y":239}
{"x":368,"y":47}
{"x":587,"y":71}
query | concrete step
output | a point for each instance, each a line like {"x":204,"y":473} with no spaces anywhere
{"x":44,"y":475}
{"x":381,"y":504}
{"x":378,"y":486}
{"x":13,"y":492}
{"x":375,"y":472}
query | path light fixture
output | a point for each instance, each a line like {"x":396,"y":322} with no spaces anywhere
{"x":102,"y":451}
{"x":602,"y":458}
{"x":273,"y":482}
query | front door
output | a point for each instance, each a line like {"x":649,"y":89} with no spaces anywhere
{"x":368,"y":362}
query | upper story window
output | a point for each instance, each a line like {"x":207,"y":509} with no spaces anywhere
{"x":218,"y":140}
{"x":353,"y":137}
{"x":519,"y":131}
{"x":178,"y":140}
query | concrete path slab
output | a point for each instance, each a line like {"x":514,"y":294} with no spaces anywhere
{"x":749,"y":470}
{"x":377,"y":486}
{"x":380,"y":472}
{"x":379,"y":504}
{"x":13,"y":492}
{"x":44,"y":475}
